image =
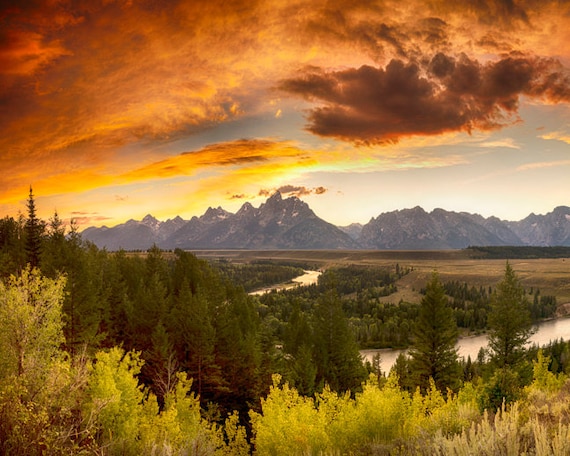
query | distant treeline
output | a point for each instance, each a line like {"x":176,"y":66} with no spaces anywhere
{"x":260,"y":273}
{"x":518,"y":252}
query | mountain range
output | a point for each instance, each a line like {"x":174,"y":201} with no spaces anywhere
{"x":291,"y":224}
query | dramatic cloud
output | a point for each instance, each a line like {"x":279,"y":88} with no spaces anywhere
{"x":380,"y":105}
{"x":234,"y":153}
{"x":293,"y":190}
{"x":99,"y":99}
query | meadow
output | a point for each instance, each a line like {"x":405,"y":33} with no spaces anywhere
{"x":550,"y":275}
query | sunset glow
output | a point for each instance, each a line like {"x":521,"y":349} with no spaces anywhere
{"x":112,"y":110}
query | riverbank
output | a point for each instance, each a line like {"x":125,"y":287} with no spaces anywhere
{"x":308,"y":278}
{"x":546,"y":331}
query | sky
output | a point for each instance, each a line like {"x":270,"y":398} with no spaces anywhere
{"x":115,"y":109}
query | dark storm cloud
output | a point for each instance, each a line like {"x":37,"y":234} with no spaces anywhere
{"x":377,"y":105}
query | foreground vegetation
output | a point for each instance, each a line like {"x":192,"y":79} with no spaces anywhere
{"x":163,"y":353}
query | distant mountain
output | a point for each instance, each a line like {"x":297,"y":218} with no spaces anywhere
{"x":544,"y":230}
{"x":133,"y":235}
{"x":415,"y":229}
{"x":277,"y":224}
{"x":353,"y":230}
{"x":290,"y":224}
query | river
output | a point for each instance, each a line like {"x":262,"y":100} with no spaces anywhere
{"x":546,"y":332}
{"x":308,"y":278}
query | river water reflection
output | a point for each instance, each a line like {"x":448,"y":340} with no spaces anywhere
{"x":469,"y":346}
{"x":308,"y":278}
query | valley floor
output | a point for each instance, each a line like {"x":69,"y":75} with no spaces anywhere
{"x":551,"y":275}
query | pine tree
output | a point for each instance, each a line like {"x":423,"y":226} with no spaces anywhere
{"x":196,"y":338}
{"x":238,"y":351}
{"x":337,"y":358}
{"x":12,"y":245}
{"x":509,"y":321}
{"x":433,"y":353}
{"x":298,"y":345}
{"x":54,"y":247}
{"x":34,"y":232}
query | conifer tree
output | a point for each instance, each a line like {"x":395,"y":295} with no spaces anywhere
{"x":54,"y":251}
{"x":238,"y":351}
{"x":509,"y":321}
{"x":34,"y":232}
{"x":196,"y":338}
{"x":12,"y":245}
{"x":433,"y":352}
{"x":337,"y":359}
{"x":298,"y":344}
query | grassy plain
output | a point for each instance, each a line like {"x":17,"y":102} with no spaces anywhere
{"x":551,"y":276}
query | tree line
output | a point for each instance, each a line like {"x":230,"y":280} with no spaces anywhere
{"x":518,"y":252}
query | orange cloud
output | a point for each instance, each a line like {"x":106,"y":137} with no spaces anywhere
{"x":234,"y":153}
{"x":93,"y":94}
{"x":117,"y":73}
{"x":24,"y":53}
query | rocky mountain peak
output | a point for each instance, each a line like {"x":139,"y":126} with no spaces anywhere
{"x":148,"y":218}
{"x":276,"y":197}
{"x":246,"y":208}
{"x":151,"y":222}
{"x":561,"y":210}
{"x":291,"y":224}
{"x":212,"y":215}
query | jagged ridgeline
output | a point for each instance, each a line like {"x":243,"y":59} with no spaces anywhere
{"x":290,"y":224}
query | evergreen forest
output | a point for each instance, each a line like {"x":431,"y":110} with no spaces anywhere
{"x":163,"y":353}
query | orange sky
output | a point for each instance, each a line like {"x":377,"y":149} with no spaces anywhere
{"x":115,"y":109}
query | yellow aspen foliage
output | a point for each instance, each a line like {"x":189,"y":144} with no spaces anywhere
{"x":115,"y":400}
{"x":378,"y":415}
{"x":31,"y":325}
{"x":289,"y":423}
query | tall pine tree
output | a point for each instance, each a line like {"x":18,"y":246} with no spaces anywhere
{"x":433,"y":352}
{"x":34,"y":232}
{"x":337,"y":358}
{"x":510,"y":325}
